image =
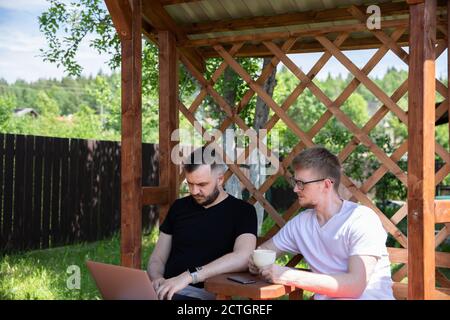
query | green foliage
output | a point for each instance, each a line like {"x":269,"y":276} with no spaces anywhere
{"x":51,"y":121}
{"x":45,"y":105}
{"x":65,"y":25}
{"x":105,"y":93}
{"x":392,"y":80}
{"x":231,"y":87}
{"x":7,"y":104}
{"x":87,"y":123}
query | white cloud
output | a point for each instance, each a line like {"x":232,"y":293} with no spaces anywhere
{"x":24,"y":65}
{"x":23,"y":5}
{"x":15,"y":40}
{"x":20,"y":58}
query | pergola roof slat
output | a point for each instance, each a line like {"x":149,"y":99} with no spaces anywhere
{"x":287,"y":19}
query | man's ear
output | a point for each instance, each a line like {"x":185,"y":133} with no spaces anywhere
{"x":329,"y":184}
{"x":220,"y":179}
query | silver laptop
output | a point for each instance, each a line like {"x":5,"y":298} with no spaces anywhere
{"x":121,"y":283}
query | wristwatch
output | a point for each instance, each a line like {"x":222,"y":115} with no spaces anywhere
{"x":194,"y":274}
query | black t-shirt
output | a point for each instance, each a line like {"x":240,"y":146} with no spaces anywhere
{"x":201,"y":235}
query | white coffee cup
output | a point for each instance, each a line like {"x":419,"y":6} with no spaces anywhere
{"x":262,"y":257}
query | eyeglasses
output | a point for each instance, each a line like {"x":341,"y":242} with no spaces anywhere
{"x":301,"y":184}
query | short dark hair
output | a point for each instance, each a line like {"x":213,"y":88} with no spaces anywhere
{"x":322,"y":161}
{"x":203,"y":156}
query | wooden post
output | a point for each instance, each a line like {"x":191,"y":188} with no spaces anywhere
{"x":448,"y":76}
{"x":131,"y":149}
{"x":168,"y":116}
{"x":421,"y":150}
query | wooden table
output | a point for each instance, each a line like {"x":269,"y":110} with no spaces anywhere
{"x":224,"y":289}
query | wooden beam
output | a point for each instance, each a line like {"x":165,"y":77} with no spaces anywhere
{"x":442,"y":211}
{"x":131,"y":147}
{"x":312,"y":32}
{"x":260,"y":50}
{"x":120,"y":13}
{"x":149,"y":32}
{"x":288,"y":19}
{"x":155,"y":195}
{"x":168,"y":117}
{"x":401,"y":291}
{"x":421,"y":150}
{"x":441,"y":294}
{"x":158,"y":17}
{"x":171,"y":2}
{"x":400,"y":255}
{"x":448,"y":60}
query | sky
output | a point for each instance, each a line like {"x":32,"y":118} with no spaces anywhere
{"x":20,"y":41}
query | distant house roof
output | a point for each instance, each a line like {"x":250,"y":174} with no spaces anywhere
{"x":20,"y":112}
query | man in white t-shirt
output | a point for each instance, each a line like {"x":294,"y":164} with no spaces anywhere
{"x":344,"y":243}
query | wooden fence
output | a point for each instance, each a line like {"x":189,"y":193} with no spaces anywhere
{"x":58,"y":191}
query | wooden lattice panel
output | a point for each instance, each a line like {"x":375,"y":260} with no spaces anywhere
{"x":360,"y":135}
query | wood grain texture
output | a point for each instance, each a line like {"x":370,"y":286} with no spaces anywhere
{"x":421,"y":185}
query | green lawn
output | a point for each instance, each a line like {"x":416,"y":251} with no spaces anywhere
{"x":42,"y":274}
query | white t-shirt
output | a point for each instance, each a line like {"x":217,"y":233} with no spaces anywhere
{"x":354,"y":230}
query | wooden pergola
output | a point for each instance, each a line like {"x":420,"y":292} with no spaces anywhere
{"x":192,"y":31}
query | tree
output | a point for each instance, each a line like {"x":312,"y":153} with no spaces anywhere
{"x":258,"y":161}
{"x":45,"y":105}
{"x":65,"y":25}
{"x":104,"y":100}
{"x":88,"y":125}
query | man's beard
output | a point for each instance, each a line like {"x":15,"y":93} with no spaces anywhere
{"x":210,"y":198}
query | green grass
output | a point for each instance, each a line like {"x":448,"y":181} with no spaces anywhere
{"x":42,"y":274}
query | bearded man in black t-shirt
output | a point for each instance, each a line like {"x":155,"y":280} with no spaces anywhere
{"x":204,"y":234}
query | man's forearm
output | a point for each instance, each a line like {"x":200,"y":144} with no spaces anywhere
{"x":340,"y":285}
{"x":231,"y":262}
{"x":155,"y":270}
